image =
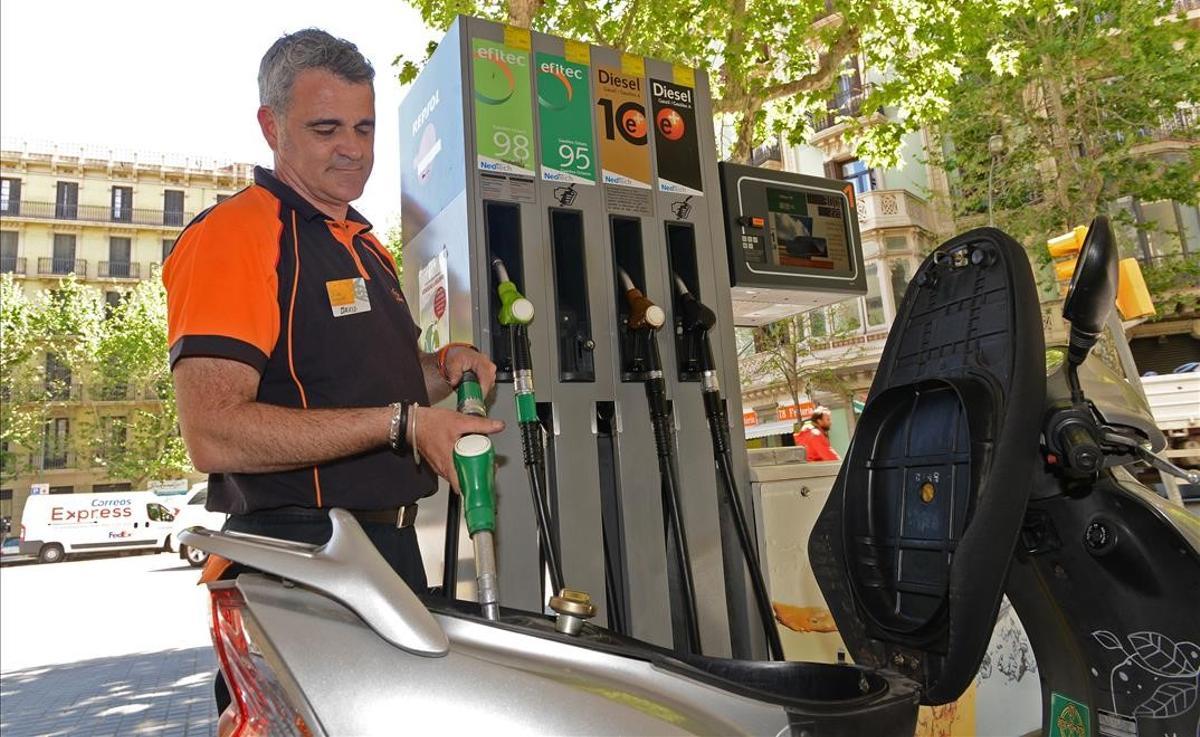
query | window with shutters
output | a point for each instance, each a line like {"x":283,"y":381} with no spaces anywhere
{"x":119,"y":253}
{"x":168,"y":244}
{"x":8,"y":252}
{"x":63,"y":260}
{"x":122,"y":204}
{"x":10,"y":196}
{"x":58,"y":378}
{"x":173,"y":207}
{"x":873,"y":302}
{"x":66,"y":201}
{"x":56,"y":444}
{"x":857,"y":173}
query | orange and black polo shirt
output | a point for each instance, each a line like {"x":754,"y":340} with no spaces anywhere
{"x":314,"y":305}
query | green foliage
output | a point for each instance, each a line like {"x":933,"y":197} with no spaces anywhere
{"x":117,"y":354}
{"x":1174,"y":283}
{"x":1080,"y":92}
{"x":771,"y":63}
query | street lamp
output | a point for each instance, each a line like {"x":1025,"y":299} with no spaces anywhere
{"x":995,"y":148}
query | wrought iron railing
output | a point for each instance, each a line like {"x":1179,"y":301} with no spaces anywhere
{"x":118,"y":270}
{"x":848,"y":105}
{"x":12,"y":264}
{"x":62,"y":266}
{"x":97,"y":213}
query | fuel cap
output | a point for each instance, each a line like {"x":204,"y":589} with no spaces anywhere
{"x":573,"y":608}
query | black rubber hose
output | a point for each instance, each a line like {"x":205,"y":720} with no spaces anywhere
{"x":535,"y":466}
{"x":718,"y":423}
{"x":450,"y":551}
{"x":535,"y":461}
{"x":656,"y":397}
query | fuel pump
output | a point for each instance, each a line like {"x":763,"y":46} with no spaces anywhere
{"x":644,"y":321}
{"x":516,"y":313}
{"x":474,"y":459}
{"x":696,"y":321}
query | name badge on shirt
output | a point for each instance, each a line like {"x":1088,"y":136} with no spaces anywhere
{"x":348,"y":296}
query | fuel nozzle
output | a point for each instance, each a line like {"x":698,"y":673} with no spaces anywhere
{"x":642,"y":312}
{"x":474,"y":460}
{"x":514,"y":308}
{"x":695,"y":320}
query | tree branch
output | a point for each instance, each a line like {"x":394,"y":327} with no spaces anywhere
{"x":627,"y":26}
{"x":828,"y":67}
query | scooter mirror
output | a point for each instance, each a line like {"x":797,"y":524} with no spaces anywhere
{"x":1093,"y":290}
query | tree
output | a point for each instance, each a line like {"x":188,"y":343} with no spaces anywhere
{"x":786,"y":353}
{"x":100,"y":354}
{"x":772,"y":63}
{"x":1079,"y":92}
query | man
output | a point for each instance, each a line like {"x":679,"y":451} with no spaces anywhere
{"x":814,"y":437}
{"x":299,"y":383}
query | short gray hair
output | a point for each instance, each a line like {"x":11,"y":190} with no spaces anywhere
{"x":310,"y":48}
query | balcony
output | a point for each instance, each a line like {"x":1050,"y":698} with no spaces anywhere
{"x":12,"y":264}
{"x":768,"y":155}
{"x":62,"y":266}
{"x":118,"y":270}
{"x":97,"y":214}
{"x":843,"y":105}
{"x":893,"y":208}
{"x":52,"y":460}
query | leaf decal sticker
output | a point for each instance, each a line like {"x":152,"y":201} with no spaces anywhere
{"x":1161,"y":656}
{"x":1169,"y":700}
{"x":1107,"y":639}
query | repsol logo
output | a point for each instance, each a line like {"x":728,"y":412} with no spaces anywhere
{"x":664,"y":92}
{"x":426,"y":111}
{"x":629,"y":83}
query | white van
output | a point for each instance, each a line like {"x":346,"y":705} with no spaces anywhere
{"x":193,"y":514}
{"x":56,"y":525}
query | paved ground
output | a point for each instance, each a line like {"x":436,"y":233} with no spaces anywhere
{"x":113,"y":646}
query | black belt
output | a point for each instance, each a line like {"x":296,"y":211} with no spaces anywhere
{"x":400,"y":516}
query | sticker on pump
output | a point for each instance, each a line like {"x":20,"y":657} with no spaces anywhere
{"x":348,"y":296}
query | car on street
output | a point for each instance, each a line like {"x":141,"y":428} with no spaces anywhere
{"x":10,"y":552}
{"x":193,"y":514}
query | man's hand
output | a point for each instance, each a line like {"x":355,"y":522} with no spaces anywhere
{"x":437,"y":430}
{"x":464,"y":358}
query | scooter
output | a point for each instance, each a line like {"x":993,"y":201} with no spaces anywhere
{"x":983,"y":464}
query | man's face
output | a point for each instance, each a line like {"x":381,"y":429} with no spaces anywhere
{"x":324,"y":142}
{"x":824,"y":422}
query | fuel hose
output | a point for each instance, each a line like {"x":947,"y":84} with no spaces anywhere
{"x":697,"y":320}
{"x":647,"y":318}
{"x":516,"y":312}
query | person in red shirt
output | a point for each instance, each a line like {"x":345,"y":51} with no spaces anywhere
{"x":814,"y":437}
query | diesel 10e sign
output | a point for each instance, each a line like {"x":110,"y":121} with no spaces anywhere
{"x":676,"y":140}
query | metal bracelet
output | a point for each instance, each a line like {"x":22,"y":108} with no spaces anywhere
{"x":412,"y":418}
{"x":394,"y":438}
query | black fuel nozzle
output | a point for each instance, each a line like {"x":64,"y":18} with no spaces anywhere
{"x":695,"y":320}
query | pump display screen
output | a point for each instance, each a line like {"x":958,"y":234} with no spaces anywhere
{"x":807,"y":231}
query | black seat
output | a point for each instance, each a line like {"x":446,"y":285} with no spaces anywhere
{"x":913,"y":546}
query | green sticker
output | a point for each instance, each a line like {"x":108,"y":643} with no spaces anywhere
{"x":503,"y":108}
{"x":1068,"y":718}
{"x":564,"y":108}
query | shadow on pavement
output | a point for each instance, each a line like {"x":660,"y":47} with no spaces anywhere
{"x":167,"y":693}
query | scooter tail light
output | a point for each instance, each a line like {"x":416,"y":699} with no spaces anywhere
{"x":259,"y":707}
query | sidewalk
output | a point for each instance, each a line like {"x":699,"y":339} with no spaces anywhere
{"x":167,"y":694}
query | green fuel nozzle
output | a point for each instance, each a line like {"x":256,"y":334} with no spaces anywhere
{"x":474,"y":461}
{"x":514,"y":308}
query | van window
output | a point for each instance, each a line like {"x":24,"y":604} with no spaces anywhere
{"x":200,"y":498}
{"x":159,"y":513}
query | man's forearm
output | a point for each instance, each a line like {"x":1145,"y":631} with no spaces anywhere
{"x":253,"y":437}
{"x":435,"y":385}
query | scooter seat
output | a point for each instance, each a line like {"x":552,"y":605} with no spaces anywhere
{"x":913,"y":545}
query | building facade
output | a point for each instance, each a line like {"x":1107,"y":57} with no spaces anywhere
{"x":109,"y":218}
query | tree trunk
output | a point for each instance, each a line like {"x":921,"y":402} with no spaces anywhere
{"x":521,"y":12}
